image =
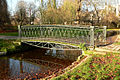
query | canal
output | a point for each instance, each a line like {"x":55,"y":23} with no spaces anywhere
{"x":36,"y":64}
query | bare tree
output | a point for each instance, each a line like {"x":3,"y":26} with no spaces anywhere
{"x":21,"y":12}
{"x":31,"y":11}
{"x":95,"y":6}
{"x":79,"y":8}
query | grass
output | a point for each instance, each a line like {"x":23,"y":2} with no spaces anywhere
{"x":6,"y":45}
{"x":12,"y":46}
{"x":117,"y":43}
{"x":9,"y":34}
{"x":113,"y":29}
{"x":98,"y":67}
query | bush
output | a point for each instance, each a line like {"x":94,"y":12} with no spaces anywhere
{"x":111,"y":20}
{"x":82,"y":46}
{"x":3,"y":49}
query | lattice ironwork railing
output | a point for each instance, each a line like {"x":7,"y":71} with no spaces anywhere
{"x":100,"y":35}
{"x":65,"y":34}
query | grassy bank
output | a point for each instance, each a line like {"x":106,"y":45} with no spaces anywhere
{"x":6,"y":45}
{"x":98,"y":67}
{"x":13,"y":46}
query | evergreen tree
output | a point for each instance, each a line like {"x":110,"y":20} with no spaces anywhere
{"x":4,"y":14}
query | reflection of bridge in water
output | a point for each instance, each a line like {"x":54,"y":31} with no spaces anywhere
{"x":62,"y":37}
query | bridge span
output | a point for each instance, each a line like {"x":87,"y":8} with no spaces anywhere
{"x":62,"y":36}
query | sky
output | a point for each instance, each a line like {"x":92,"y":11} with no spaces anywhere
{"x":12,"y":4}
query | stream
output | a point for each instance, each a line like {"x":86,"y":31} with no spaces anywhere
{"x":36,"y":64}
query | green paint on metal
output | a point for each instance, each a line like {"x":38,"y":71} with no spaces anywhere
{"x":63,"y":34}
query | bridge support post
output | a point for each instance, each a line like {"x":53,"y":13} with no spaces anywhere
{"x":19,"y":31}
{"x":92,"y":42}
{"x":105,"y":33}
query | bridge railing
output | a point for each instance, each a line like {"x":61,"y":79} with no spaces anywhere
{"x":66,"y":34}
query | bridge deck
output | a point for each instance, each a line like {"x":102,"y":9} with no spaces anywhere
{"x":59,"y":40}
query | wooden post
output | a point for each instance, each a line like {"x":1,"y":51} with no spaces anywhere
{"x":105,"y":33}
{"x":19,"y":31}
{"x":92,"y":43}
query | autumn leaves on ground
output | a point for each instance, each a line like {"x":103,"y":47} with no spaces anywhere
{"x":99,"y":67}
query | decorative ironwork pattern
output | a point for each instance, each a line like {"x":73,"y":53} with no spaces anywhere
{"x":100,"y":36}
{"x":48,"y":45}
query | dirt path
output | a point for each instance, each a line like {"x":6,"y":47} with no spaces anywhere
{"x":111,"y":47}
{"x":9,"y":37}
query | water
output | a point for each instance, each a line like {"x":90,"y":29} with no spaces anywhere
{"x":35,"y":64}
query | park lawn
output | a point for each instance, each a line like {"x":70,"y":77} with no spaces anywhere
{"x":9,"y":34}
{"x":98,"y":67}
{"x":117,"y":43}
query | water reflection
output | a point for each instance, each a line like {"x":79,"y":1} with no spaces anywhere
{"x":64,"y":54}
{"x":36,"y":64}
{"x":4,"y":68}
{"x":21,"y":69}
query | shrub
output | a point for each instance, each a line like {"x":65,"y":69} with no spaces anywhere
{"x":82,"y":46}
{"x":3,"y":49}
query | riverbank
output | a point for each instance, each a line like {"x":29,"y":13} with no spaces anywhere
{"x":8,"y":42}
{"x":7,"y":45}
{"x":11,"y":46}
{"x":96,"y":67}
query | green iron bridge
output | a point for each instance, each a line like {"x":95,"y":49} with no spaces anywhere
{"x":62,"y":36}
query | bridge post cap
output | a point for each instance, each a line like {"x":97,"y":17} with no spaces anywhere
{"x":92,"y":26}
{"x":19,"y":25}
{"x":105,"y":26}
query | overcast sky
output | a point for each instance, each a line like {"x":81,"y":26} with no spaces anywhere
{"x":12,"y":4}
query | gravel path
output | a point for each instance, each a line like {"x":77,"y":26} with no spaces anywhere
{"x":9,"y":37}
{"x":111,"y":46}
